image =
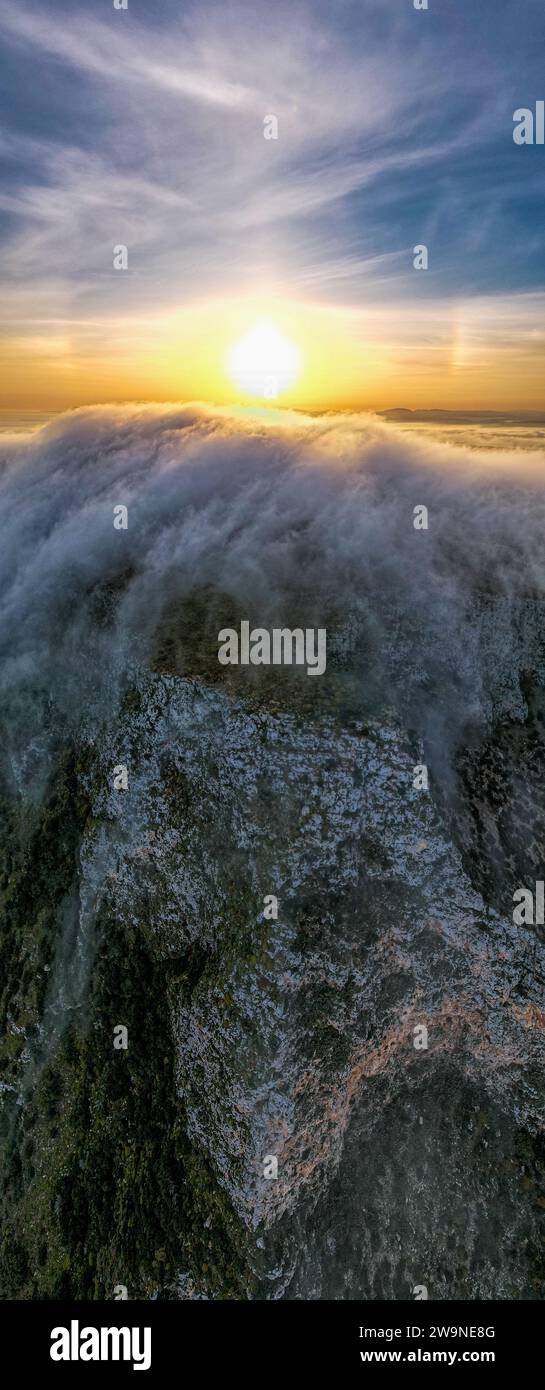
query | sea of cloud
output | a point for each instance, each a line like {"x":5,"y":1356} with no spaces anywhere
{"x":264,"y":507}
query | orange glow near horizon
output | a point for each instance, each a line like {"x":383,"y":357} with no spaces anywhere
{"x":324,"y":357}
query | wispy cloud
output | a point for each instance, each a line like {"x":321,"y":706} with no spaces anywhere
{"x":382,"y":142}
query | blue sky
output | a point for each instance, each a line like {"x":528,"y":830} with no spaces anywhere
{"x":146,"y":127}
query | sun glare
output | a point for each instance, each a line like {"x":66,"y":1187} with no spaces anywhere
{"x":264,"y":363}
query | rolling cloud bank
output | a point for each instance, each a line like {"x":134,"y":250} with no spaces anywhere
{"x":305,"y":521}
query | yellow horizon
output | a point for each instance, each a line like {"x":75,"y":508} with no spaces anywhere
{"x":456,"y":357}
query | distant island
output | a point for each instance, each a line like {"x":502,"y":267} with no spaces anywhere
{"x":464,"y":417}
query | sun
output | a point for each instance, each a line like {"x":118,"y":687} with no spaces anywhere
{"x":264,"y":363}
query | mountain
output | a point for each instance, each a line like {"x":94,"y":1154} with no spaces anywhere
{"x":381,"y":1039}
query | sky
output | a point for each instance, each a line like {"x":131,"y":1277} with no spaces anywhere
{"x":145,"y":128}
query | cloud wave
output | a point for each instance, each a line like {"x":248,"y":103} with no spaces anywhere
{"x":283,"y":516}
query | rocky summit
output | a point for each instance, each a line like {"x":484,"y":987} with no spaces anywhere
{"x":270,"y":1029}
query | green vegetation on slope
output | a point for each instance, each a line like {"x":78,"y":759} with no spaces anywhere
{"x":100,"y":1184}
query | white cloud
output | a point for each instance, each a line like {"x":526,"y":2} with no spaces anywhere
{"x":185,"y":101}
{"x":267,"y":510}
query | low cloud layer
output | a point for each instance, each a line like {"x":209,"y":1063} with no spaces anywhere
{"x":279,"y":514}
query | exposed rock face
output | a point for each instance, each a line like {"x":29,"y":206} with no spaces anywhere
{"x":293,"y":1038}
{"x":397,"y":1165}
